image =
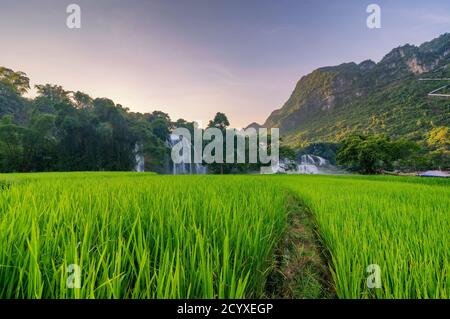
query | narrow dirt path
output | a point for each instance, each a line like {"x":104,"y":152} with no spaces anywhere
{"x":301,"y":270}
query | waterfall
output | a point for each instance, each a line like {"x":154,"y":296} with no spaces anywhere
{"x":311,"y":164}
{"x":139,"y":159}
{"x":185,"y":168}
{"x":308,"y":164}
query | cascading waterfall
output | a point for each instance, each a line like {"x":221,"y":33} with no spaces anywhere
{"x":310,"y":164}
{"x":139,"y":159}
{"x":184,"y":168}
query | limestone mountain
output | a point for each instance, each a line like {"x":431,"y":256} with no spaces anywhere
{"x":253,"y":125}
{"x":385,"y":97}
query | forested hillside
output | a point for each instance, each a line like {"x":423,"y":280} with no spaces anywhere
{"x":61,"y":130}
{"x":386,"y":98}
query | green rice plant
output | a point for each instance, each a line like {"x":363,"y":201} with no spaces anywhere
{"x":138,"y":235}
{"x":400,"y":224}
{"x":149,"y":236}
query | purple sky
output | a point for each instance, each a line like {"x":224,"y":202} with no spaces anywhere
{"x":192,"y":58}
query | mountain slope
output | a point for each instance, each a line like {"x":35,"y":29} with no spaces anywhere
{"x":385,"y":97}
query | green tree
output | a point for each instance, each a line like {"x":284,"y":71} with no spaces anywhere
{"x":82,"y":100}
{"x":49,"y":97}
{"x":17,"y":81}
{"x":221,"y":122}
{"x":11,"y":145}
{"x":372,"y":154}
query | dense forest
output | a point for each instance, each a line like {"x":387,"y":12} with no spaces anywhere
{"x":61,"y":130}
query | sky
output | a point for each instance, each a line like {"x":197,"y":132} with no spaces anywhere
{"x":193,"y":58}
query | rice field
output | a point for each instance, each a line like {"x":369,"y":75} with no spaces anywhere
{"x":400,"y":224}
{"x":149,"y":236}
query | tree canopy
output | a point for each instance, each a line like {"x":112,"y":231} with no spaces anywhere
{"x":60,"y":130}
{"x":373,"y":154}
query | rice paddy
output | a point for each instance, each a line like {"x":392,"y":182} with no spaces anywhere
{"x":149,"y":236}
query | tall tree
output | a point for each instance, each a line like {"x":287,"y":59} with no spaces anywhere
{"x":17,"y":81}
{"x":82,"y":100}
{"x":371,"y":154}
{"x":220,"y":121}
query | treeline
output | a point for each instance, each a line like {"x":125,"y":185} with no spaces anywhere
{"x":220,"y":121}
{"x":376,"y":154}
{"x":61,"y":130}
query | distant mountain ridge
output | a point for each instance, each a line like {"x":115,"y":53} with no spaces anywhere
{"x":384,"y":97}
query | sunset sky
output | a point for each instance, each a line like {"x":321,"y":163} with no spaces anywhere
{"x":192,"y":58}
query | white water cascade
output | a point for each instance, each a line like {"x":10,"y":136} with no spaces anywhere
{"x":139,"y":159}
{"x":311,"y":164}
{"x":184,"y":168}
{"x":308,"y":164}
